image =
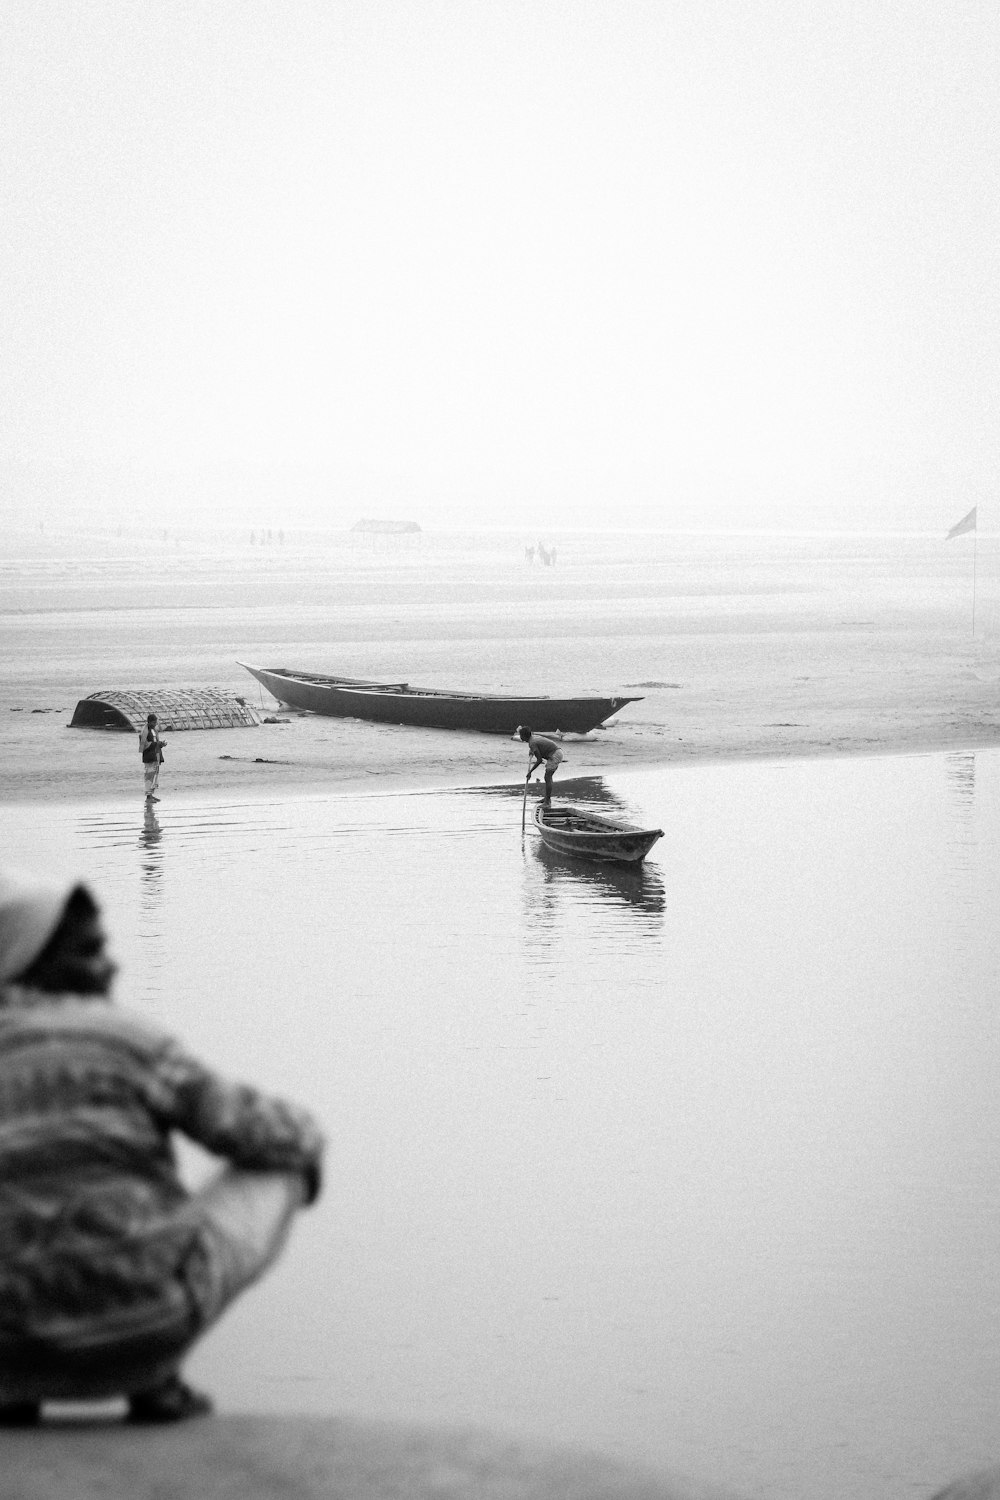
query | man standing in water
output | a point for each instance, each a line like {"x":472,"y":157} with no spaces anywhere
{"x":151,"y":749}
{"x":110,"y":1268}
{"x":541,"y":752}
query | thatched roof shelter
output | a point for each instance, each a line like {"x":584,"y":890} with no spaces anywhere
{"x":180,"y":708}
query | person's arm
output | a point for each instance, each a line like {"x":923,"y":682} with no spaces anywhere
{"x":249,"y":1128}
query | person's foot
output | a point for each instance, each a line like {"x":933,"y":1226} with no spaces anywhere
{"x":173,"y":1401}
{"x":20,"y":1413}
{"x":152,"y":798}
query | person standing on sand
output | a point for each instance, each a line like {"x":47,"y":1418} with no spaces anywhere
{"x":109,"y":1268}
{"x":151,"y":749}
{"x":541,"y":752}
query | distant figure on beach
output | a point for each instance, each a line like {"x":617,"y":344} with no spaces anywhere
{"x":529,"y":554}
{"x":541,"y":752}
{"x":109,"y":1268}
{"x":151,"y":750}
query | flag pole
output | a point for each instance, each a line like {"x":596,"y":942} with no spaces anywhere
{"x":969,"y":523}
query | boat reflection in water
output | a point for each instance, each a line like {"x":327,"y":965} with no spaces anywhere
{"x":638,"y":886}
{"x":570,"y":905}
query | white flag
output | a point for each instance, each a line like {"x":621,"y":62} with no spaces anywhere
{"x":967,"y":523}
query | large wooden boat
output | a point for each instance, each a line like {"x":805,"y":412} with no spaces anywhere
{"x":570,"y":830}
{"x":432,"y":708}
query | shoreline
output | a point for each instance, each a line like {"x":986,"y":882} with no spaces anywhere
{"x":316,"y":756}
{"x":101,"y":776}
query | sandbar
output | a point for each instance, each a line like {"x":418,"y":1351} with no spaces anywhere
{"x":736,"y":647}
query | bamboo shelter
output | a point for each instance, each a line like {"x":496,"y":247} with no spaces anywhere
{"x":182,"y":708}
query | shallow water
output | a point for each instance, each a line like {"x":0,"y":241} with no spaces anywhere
{"x":695,"y":1165}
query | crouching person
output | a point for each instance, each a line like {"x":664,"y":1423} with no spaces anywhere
{"x":109,"y":1268}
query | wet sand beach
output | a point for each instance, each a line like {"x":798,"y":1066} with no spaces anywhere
{"x":739,"y":646}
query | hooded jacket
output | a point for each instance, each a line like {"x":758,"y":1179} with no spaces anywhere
{"x":101,"y":1245}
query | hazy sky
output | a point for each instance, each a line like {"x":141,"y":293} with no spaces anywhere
{"x":731,"y":262}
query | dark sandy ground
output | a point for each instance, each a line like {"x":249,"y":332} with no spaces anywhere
{"x":312,"y":1458}
{"x":333,"y":1458}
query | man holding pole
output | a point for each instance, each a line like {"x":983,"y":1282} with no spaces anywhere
{"x":542,"y":751}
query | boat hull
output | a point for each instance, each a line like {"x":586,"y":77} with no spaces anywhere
{"x":586,"y":836}
{"x":432,"y":708}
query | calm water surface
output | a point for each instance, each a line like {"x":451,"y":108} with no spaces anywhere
{"x":698,"y":1165}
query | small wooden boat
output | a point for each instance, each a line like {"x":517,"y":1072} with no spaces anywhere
{"x":432,"y":708}
{"x":569,"y":830}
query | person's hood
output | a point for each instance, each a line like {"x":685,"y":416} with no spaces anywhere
{"x":30,"y":912}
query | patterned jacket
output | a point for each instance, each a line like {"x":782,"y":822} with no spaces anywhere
{"x":99,"y":1239}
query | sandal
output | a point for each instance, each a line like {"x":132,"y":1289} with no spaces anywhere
{"x":20,"y":1413}
{"x":173,"y":1401}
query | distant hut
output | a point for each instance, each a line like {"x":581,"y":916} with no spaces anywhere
{"x":182,"y":708}
{"x":385,"y":528}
